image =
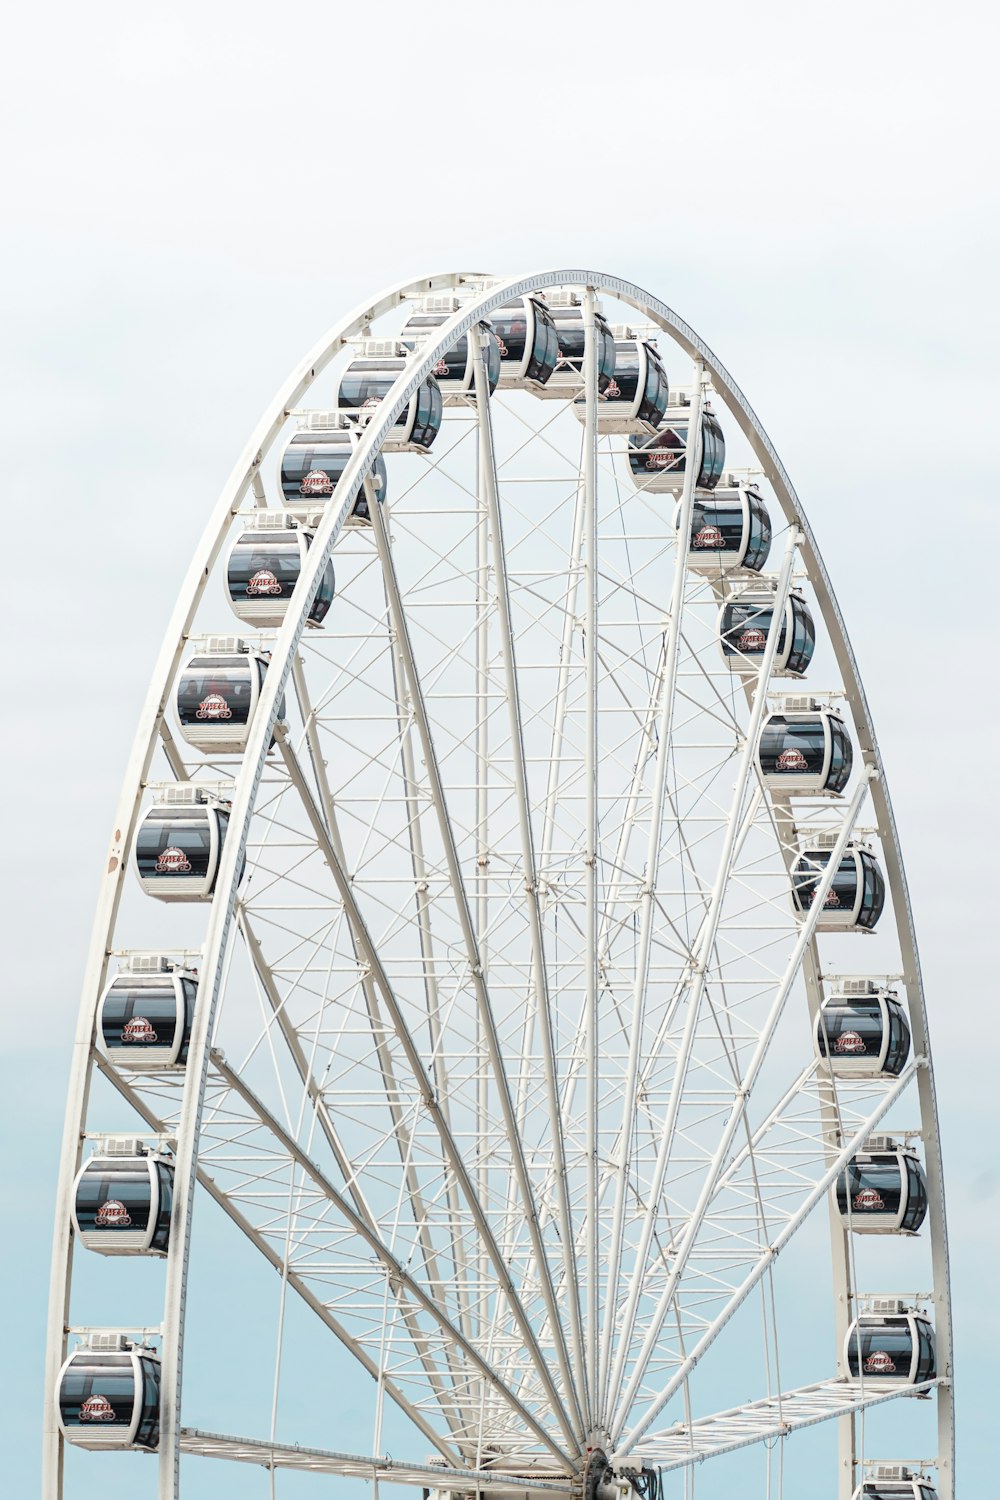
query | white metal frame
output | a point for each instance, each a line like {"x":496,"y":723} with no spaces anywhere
{"x":582,"y":1387}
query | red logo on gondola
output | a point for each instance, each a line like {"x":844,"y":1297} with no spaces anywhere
{"x":868,"y":1200}
{"x":214,"y":707}
{"x":173,"y":862}
{"x":371,"y":403}
{"x":98,"y":1409}
{"x":791,"y":760}
{"x":113,"y":1215}
{"x":263,"y":582}
{"x":504,"y":351}
{"x":662,"y":458}
{"x":879,"y":1363}
{"x":614,"y":390}
{"x":316,"y":483}
{"x":832,"y":899}
{"x":138,"y":1030}
{"x":441,"y":368}
{"x":752,"y":640}
{"x":849,"y":1041}
{"x":709,"y":538}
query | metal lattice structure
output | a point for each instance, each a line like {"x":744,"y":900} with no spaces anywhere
{"x":502,"y":1049}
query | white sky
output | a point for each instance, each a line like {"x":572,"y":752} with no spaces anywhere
{"x":193,"y":194}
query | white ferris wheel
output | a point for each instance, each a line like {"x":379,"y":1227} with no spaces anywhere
{"x":520,"y":958}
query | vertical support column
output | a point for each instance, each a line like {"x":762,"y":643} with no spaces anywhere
{"x":482,"y":849}
{"x":590,"y":837}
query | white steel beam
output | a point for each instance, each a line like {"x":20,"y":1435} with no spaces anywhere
{"x":804,"y":938}
{"x":356,"y":1466}
{"x":685,"y":1444}
{"x":293,"y":1279}
{"x":539,"y":968}
{"x":611,"y":1375}
{"x":428,"y":1094}
{"x":501,"y":1082}
{"x":380,"y":1249}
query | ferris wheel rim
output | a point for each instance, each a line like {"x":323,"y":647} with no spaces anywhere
{"x":418,"y":366}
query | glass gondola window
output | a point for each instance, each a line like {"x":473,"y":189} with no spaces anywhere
{"x":174,"y":841}
{"x":655,"y":392}
{"x":312,"y":466}
{"x":571,"y":337}
{"x":138,"y":1018}
{"x":856,"y":865}
{"x":792,"y":745}
{"x":212,"y":689}
{"x":870,"y":1187}
{"x":115,"y":1197}
{"x":264,"y":567}
{"x":98,"y":1389}
{"x":759,"y":541}
{"x":885,"y":1351}
{"x":856,"y":1029}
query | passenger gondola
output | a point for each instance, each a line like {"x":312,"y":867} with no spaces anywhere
{"x":656,"y":463}
{"x":374,"y":370}
{"x":529,"y":347}
{"x":123,"y":1199}
{"x":882,"y":1190}
{"x":455,"y":371}
{"x":217,"y":693}
{"x":890,"y":1346}
{"x":313,"y":463}
{"x":179,"y":843}
{"x":730,"y":529}
{"x":805,"y":749}
{"x":856,"y":896}
{"x":567,"y":379}
{"x":863,"y":1032}
{"x":109,"y":1394}
{"x":895,"y":1482}
{"x":146,"y":1014}
{"x":745,"y":620}
{"x":265,"y":563}
{"x":635,"y":399}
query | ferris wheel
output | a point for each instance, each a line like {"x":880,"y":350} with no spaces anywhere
{"x":504,"y":926}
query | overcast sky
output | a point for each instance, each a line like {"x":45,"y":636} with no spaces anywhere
{"x":194,"y":193}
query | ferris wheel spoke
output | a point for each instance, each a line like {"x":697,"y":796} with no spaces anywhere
{"x":453,"y":1155}
{"x":294,"y":1280}
{"x":491,"y":1038}
{"x":667,"y":699}
{"x":769,"y":1247}
{"x":344,"y":1161}
{"x":805,"y":934}
{"x":761,"y":1421}
{"x":539,"y":969}
{"x":392,"y":1265}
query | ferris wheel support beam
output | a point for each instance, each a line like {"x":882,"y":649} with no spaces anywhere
{"x":294,"y":1280}
{"x":485,"y":1009}
{"x":539,"y":967}
{"x":422,"y":902}
{"x":323,"y":1116}
{"x":807,"y":929}
{"x":245,"y":477}
{"x":562,"y":685}
{"x":591,"y":872}
{"x":833,"y":1168}
{"x":432,"y":1105}
{"x":400,"y":1131}
{"x":684,"y":1445}
{"x":393,"y":1266}
{"x":611,"y":1377}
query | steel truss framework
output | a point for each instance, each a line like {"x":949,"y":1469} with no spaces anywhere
{"x":501,"y":1055}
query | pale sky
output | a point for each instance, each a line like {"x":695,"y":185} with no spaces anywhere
{"x":194,"y":194}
